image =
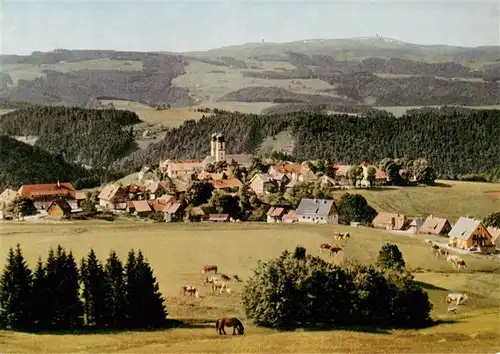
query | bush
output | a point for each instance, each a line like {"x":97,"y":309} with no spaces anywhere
{"x":294,"y":291}
{"x":390,"y":257}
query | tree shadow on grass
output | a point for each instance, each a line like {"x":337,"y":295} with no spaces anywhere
{"x":195,"y":323}
{"x":330,"y":327}
{"x":428,"y":286}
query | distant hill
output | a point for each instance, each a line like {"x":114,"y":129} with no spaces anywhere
{"x":421,"y":74}
{"x":23,"y":164}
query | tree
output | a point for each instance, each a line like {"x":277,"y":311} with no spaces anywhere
{"x":370,"y":175}
{"x":15,"y":292}
{"x":94,"y":291}
{"x":71,"y":305}
{"x":354,"y":174}
{"x":133,"y":293}
{"x":390,"y":257}
{"x":21,"y":207}
{"x":114,"y":314}
{"x":300,"y":253}
{"x":199,"y":192}
{"x":88,"y":205}
{"x":354,"y":207}
{"x":492,"y":220}
{"x":40,"y":300}
{"x":224,"y":203}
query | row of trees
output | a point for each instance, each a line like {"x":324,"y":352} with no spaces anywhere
{"x":59,"y":296}
{"x":299,"y":290}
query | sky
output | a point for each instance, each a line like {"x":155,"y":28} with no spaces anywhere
{"x":186,"y":25}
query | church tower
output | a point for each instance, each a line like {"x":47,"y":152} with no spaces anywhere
{"x":220,"y":148}
{"x":213,"y":144}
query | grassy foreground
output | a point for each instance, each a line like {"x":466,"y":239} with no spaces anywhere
{"x":177,"y":252}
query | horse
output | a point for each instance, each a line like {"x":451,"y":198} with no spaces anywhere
{"x":190,"y":290}
{"x":237,"y":279}
{"x":209,"y":268}
{"x":219,"y":286}
{"x":229,"y":322}
{"x":225,"y":277}
{"x":462,"y":297}
{"x":324,"y":246}
{"x":452,"y":310}
{"x":334,"y":250}
{"x":211,"y":280}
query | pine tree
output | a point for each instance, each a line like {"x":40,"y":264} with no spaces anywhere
{"x":41,"y":302}
{"x":73,"y":307}
{"x":153,"y":312}
{"x":133,"y":292}
{"x":92,"y":275}
{"x":15,"y":292}
{"x":114,"y":315}
{"x":51,"y":283}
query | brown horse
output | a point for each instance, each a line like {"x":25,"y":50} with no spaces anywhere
{"x":236,"y":278}
{"x":334,"y":250}
{"x":209,"y":268}
{"x":190,"y":290}
{"x":225,"y":277}
{"x":229,"y":322}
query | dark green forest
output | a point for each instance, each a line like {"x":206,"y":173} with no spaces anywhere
{"x":454,"y":140}
{"x":88,"y":136}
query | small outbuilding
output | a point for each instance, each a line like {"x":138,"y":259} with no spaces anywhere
{"x":415,"y":225}
{"x":435,"y":226}
{"x":275,"y":214}
{"x":389,"y":221}
{"x":59,"y":208}
{"x":218,"y":217}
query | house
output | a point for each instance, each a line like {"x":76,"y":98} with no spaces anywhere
{"x":157,"y":205}
{"x":79,"y":198}
{"x":196,"y":214}
{"x":42,"y":195}
{"x":227,"y":185}
{"x":288,"y":169}
{"x":319,"y":211}
{"x":290,"y":217}
{"x":260,"y":182}
{"x":341,"y":171}
{"x":415,"y":225}
{"x":136,"y":192}
{"x":326,"y":181}
{"x":59,"y":208}
{"x":113,"y":197}
{"x":141,"y":208}
{"x":469,"y":232}
{"x":173,"y":211}
{"x":495,"y":236}
{"x":176,"y":168}
{"x":380,"y":176}
{"x":389,"y":221}
{"x":218,"y":217}
{"x":275,"y":214}
{"x":435,"y":226}
{"x":155,"y":190}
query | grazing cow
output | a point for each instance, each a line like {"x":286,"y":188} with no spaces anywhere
{"x":336,"y":235}
{"x":334,"y":250}
{"x":191,"y":290}
{"x":236,"y":278}
{"x":435,"y":247}
{"x":442,"y":252}
{"x":211,"y":280}
{"x":324,"y":246}
{"x":461,"y":264}
{"x":225,"y":277}
{"x":458,"y":297}
{"x":346,"y":236}
{"x":229,"y":322}
{"x":219,"y":286}
{"x":456,"y":261}
{"x":209,"y":268}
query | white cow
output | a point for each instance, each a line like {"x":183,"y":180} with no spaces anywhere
{"x":458,"y":297}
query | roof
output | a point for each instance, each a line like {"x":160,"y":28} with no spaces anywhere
{"x":166,"y":198}
{"x":184,"y":165}
{"x":80,"y":196}
{"x":215,"y":217}
{"x":208,"y":175}
{"x":342,"y":170}
{"x":197,"y":211}
{"x":417,"y":222}
{"x":494,"y":232}
{"x":316,"y":207}
{"x":154,"y":186}
{"x":276,"y":211}
{"x":241,"y":159}
{"x":226,"y":183}
{"x":433,"y":225}
{"x":46,"y":189}
{"x":110,"y":191}
{"x":464,"y":228}
{"x":286,"y":168}
{"x":172,"y":208}
{"x":180,"y":185}
{"x":379,"y":174}
{"x":61,"y":203}
{"x":141,"y":206}
{"x":8,"y":196}
{"x":157,"y":204}
{"x":132,"y":188}
{"x":384,"y":219}
{"x":291,"y":215}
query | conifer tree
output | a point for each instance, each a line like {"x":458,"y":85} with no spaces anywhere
{"x":15,"y":292}
{"x":133,"y":292}
{"x":114,"y":314}
{"x":72,"y":305}
{"x":41,"y":302}
{"x":51,"y":283}
{"x":153,"y":312}
{"x":92,"y":276}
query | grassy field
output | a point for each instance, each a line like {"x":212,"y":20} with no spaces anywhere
{"x":451,"y":199}
{"x":178,"y":251}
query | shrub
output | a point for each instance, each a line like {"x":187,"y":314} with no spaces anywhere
{"x":390,"y":257}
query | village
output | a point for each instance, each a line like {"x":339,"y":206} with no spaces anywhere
{"x":164,"y":200}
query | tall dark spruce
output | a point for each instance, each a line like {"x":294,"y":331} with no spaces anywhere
{"x":114,"y":314}
{"x":94,"y":290}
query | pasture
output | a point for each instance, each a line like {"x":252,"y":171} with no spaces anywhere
{"x":177,"y":253}
{"x":451,"y":199}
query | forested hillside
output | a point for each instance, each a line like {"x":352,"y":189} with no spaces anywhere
{"x":22,"y":163}
{"x":89,"y":136}
{"x":455,"y":141}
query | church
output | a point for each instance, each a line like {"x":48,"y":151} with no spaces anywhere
{"x":180,"y":168}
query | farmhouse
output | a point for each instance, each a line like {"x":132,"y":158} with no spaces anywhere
{"x":495,"y":236}
{"x":275,"y":214}
{"x":469,"y":232}
{"x":42,"y":195}
{"x":196,"y":214}
{"x":227,"y":185}
{"x":6,"y":197}
{"x":389,"y":221}
{"x":141,"y":208}
{"x":415,"y":225}
{"x":380,"y":176}
{"x":319,"y":211}
{"x":177,"y":168}
{"x":435,"y":226}
{"x":59,"y":208}
{"x":113,"y":197}
{"x":261,"y":181}
{"x":173,"y":211}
